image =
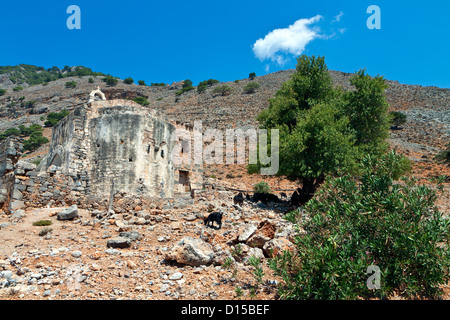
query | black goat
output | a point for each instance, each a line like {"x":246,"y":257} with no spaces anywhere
{"x":215,"y":216}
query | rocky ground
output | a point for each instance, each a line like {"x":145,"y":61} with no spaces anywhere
{"x":160,"y":254}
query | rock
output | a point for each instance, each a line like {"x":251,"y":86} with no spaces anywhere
{"x":255,"y":252}
{"x":132,"y":235}
{"x":16,"y":204}
{"x":193,"y":252}
{"x":76,"y":254}
{"x":17,"y":195}
{"x":19,"y":214}
{"x":119,"y":242}
{"x":176,"y":276}
{"x":258,"y":240}
{"x":276,"y":246}
{"x":68,"y":213}
{"x":26,"y":166}
{"x":248,"y":231}
{"x":6,"y":274}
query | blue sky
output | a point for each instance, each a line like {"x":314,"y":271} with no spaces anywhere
{"x":167,"y":41}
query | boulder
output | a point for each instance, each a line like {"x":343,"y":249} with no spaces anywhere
{"x":276,"y":246}
{"x":193,"y":252}
{"x":69,"y":213}
{"x":119,"y":242}
{"x":247,"y":232}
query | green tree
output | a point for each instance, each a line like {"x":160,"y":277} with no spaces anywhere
{"x":35,"y":141}
{"x":366,"y":108}
{"x":110,"y":80}
{"x":142,"y":101}
{"x":251,"y":87}
{"x":222,"y":90}
{"x":141,"y":83}
{"x":128,"y":80}
{"x":54,"y":117}
{"x":397,"y":118}
{"x":71,"y":84}
{"x":252,"y":76}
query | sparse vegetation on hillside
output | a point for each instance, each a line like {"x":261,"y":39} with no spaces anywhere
{"x":33,"y":75}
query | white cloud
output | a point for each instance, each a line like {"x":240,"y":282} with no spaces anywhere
{"x":291,"y":40}
{"x":338,"y":17}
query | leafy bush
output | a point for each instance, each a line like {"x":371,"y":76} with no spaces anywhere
{"x":18,"y":88}
{"x":110,"y":80}
{"x":202,"y":86}
{"x":142,"y":101}
{"x":187,"y":86}
{"x":444,"y":156}
{"x":354,"y":224}
{"x":2,"y":92}
{"x":91,"y":80}
{"x":41,"y":223}
{"x":27,"y":131}
{"x":128,"y":80}
{"x":222,"y":90}
{"x":261,"y":187}
{"x":158,"y":84}
{"x":71,"y":84}
{"x":251,"y":87}
{"x":397,"y":118}
{"x":252,"y":76}
{"x":35,"y":141}
{"x":141,"y":83}
{"x":54,"y":117}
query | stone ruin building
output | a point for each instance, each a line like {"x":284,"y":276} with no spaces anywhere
{"x":100,"y":149}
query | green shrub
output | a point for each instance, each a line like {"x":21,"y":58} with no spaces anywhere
{"x":397,"y":118}
{"x":91,"y":80}
{"x":222,"y":90}
{"x":41,"y":223}
{"x":2,"y":92}
{"x":252,"y":76}
{"x":45,"y":231}
{"x":54,"y":117}
{"x":444,"y":156}
{"x":187,"y":86}
{"x":202,"y":86}
{"x":128,"y":80}
{"x":110,"y":80}
{"x":251,"y":87}
{"x":18,"y":88}
{"x":71,"y":84}
{"x":356,"y":224}
{"x":158,"y":84}
{"x":141,"y":100}
{"x":261,"y":187}
{"x":141,"y":83}
{"x":35,"y":141}
{"x":26,"y":131}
